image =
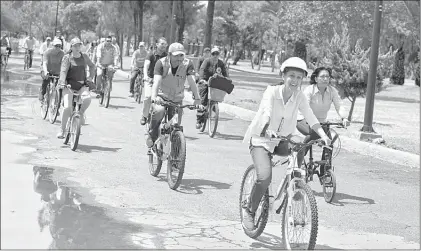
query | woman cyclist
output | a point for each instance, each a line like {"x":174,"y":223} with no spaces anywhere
{"x":278,"y":109}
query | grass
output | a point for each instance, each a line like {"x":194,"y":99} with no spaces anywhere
{"x":396,"y":113}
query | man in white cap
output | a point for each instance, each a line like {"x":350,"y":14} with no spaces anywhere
{"x":106,"y":55}
{"x":138,"y":61}
{"x":170,"y":74}
{"x":44,"y":47}
{"x":73,"y":73}
{"x":51,"y":63}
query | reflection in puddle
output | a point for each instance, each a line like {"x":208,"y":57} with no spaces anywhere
{"x":12,"y":84}
{"x":75,"y":225}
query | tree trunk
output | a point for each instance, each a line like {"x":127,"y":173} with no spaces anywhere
{"x":180,"y":37}
{"x":209,"y":23}
{"x":351,"y":110}
{"x":260,"y":50}
{"x":121,"y":50}
{"x":140,"y":4}
{"x":127,"y":53}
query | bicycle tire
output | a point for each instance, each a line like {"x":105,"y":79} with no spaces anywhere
{"x":75,"y":132}
{"x":212,"y":130}
{"x":56,"y":106}
{"x":329,"y":196}
{"x":139,"y":97}
{"x":314,"y":217}
{"x":107,"y":94}
{"x":154,"y":170}
{"x":181,"y":159}
{"x":101,"y":98}
{"x":67,"y":131}
{"x":46,"y":103}
{"x":264,"y":203}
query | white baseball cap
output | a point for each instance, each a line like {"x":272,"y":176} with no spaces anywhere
{"x":294,"y":62}
{"x":176,"y":49}
{"x":214,"y":49}
{"x":141,"y":43}
{"x":56,"y":41}
{"x":48,"y":38}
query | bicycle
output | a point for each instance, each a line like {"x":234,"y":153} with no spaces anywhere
{"x":138,"y":87}
{"x":292,"y":190}
{"x":106,"y":86}
{"x":328,"y":181}
{"x":26,"y":60}
{"x":211,"y":113}
{"x":72,"y":131}
{"x":46,"y":102}
{"x":4,"y":59}
{"x":170,"y":146}
{"x":55,"y":99}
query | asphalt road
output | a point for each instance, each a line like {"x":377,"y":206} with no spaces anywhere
{"x":377,"y":203}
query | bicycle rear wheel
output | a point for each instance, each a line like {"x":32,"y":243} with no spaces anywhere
{"x":213,"y":118}
{"x":262,"y":212}
{"x":45,"y":103}
{"x":300,"y":231}
{"x":329,"y":186}
{"x":107,"y":93}
{"x":155,"y":164}
{"x":176,"y":160}
{"x":54,"y":105}
{"x":74,"y":132}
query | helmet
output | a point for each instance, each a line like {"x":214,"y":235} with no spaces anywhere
{"x":75,"y":41}
{"x":56,"y":41}
{"x":294,"y":62}
{"x":176,"y":49}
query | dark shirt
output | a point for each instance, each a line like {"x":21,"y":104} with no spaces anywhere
{"x":153,"y":57}
{"x":208,"y":68}
{"x":201,"y":59}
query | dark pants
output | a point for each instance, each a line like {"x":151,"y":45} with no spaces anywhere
{"x":305,"y":129}
{"x":157,"y":115}
{"x":263,"y":164}
{"x":30,"y":58}
{"x":135,"y":72}
{"x":203,"y":91}
{"x":43,"y":89}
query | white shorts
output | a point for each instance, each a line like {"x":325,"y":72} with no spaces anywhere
{"x":68,"y":96}
{"x":148,"y":88}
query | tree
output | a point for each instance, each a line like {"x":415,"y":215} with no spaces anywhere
{"x":209,"y":23}
{"x":81,"y":17}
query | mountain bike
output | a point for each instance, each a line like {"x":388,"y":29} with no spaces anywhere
{"x":293,"y":197}
{"x":138,"y":87}
{"x":55,"y":99}
{"x":328,"y":180}
{"x":211,"y":112}
{"x":106,"y":85}
{"x":170,"y":146}
{"x":72,"y":131}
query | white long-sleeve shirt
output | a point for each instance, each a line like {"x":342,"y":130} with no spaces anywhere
{"x":44,"y":47}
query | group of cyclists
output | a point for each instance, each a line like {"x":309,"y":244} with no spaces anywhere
{"x":283,"y":108}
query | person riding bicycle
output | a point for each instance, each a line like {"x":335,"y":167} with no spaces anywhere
{"x":51,"y":65}
{"x":278,"y":109}
{"x":170,"y":74}
{"x":106,"y":55}
{"x":137,"y":65}
{"x":320,"y":94}
{"x":73,"y":73}
{"x":29,"y":44}
{"x":148,"y":75}
{"x":206,"y":54}
{"x":210,"y":67}
{"x":44,"y":47}
{"x":5,"y":42}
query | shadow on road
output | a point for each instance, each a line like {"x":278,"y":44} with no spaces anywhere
{"x":88,"y":149}
{"x":376,"y":123}
{"x":198,"y":185}
{"x":342,"y":196}
{"x":222,"y":136}
{"x":120,"y":107}
{"x":190,"y":138}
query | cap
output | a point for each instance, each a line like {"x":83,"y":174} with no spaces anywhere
{"x":48,"y":38}
{"x":294,"y":62}
{"x":74,"y":41}
{"x":102,"y":39}
{"x":56,"y":41}
{"x":207,"y":49}
{"x":141,"y":43}
{"x":215,"y":49}
{"x":176,"y":49}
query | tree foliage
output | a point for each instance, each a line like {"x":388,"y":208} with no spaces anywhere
{"x":81,"y":17}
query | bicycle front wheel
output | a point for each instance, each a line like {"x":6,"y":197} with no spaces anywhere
{"x":213,"y":118}
{"x":155,"y":164}
{"x":299,"y":218}
{"x":329,"y":185}
{"x":54,"y":106}
{"x":107,"y":93}
{"x":262,"y":212}
{"x":74,"y":132}
{"x":176,"y":160}
{"x":45,"y":103}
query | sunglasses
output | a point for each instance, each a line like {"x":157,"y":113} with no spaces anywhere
{"x":108,"y":41}
{"x":215,"y":54}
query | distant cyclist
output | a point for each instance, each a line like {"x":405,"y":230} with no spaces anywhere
{"x":106,"y":56}
{"x":29,"y":45}
{"x":51,"y":65}
{"x":137,"y":65}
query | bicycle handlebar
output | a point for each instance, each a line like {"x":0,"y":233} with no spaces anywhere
{"x":172,"y":104}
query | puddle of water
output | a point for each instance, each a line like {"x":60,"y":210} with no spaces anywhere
{"x":13,"y":84}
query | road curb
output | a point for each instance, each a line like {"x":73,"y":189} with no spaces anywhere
{"x":353,"y":145}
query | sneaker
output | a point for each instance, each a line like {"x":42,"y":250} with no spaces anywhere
{"x":143,"y":121}
{"x":149,"y":141}
{"x":248,"y":219}
{"x":198,"y":125}
{"x":131,"y":94}
{"x":60,"y":134}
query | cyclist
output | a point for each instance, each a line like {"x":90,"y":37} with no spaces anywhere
{"x":73,"y":72}
{"x":137,"y":65}
{"x":5,"y":42}
{"x":106,"y":56}
{"x":44,"y":47}
{"x":148,"y":75}
{"x":51,"y":65}
{"x":170,"y":74}
{"x":206,"y":54}
{"x":278,"y":109}
{"x":320,"y":94}
{"x":210,"y":67}
{"x":29,"y":44}
{"x":59,"y":36}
